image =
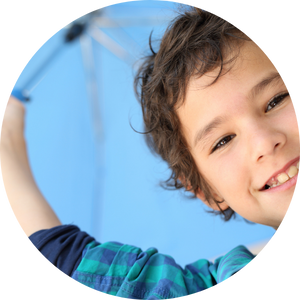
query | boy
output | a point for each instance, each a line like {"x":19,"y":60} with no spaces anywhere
{"x":237,"y":150}
{"x":202,"y":116}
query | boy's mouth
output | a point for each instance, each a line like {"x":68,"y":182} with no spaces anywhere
{"x":282,"y":176}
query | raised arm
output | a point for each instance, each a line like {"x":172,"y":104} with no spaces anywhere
{"x":30,"y":207}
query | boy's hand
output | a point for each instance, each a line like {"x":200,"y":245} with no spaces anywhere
{"x":13,"y":123}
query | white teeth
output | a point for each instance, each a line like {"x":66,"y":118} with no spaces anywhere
{"x":292,"y":171}
{"x":282,"y":178}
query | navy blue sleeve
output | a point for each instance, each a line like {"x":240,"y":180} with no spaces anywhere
{"x":62,"y":246}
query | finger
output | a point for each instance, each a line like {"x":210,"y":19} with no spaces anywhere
{"x":18,"y":94}
{"x":15,"y":101}
{"x":10,"y":98}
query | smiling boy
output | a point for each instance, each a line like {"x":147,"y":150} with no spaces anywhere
{"x":243,"y":135}
{"x":217,"y":111}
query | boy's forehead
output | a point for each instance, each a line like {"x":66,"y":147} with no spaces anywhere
{"x":249,"y":55}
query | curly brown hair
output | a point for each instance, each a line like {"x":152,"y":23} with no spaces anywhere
{"x":194,"y":43}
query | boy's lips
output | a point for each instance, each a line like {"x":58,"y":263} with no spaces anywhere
{"x":282,"y":170}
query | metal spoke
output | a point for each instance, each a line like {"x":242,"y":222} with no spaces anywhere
{"x":94,"y":100}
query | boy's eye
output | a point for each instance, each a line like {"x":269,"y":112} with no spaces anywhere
{"x":277,"y":99}
{"x":217,"y":147}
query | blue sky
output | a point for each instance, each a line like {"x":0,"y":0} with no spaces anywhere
{"x":110,"y":187}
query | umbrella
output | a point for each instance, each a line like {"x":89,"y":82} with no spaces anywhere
{"x":95,"y":171}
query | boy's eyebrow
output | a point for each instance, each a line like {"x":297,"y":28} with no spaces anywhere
{"x":205,"y":132}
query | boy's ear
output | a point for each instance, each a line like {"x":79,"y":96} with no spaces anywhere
{"x":200,"y":195}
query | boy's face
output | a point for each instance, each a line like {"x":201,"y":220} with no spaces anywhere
{"x":242,"y":132}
